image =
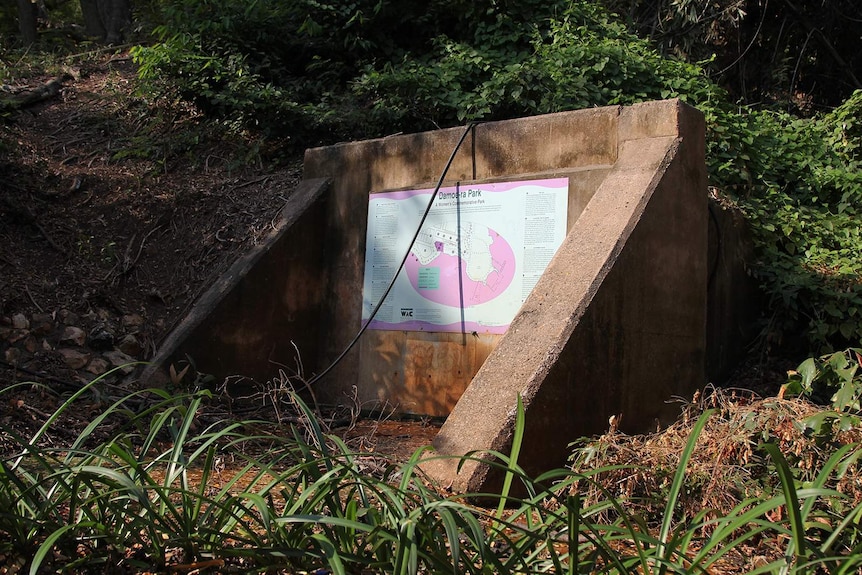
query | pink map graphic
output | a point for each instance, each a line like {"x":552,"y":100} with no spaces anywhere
{"x":447,"y":290}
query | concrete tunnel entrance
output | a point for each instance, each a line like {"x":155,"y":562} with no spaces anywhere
{"x":616,"y":324}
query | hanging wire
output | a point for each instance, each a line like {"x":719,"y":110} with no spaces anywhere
{"x":379,"y":304}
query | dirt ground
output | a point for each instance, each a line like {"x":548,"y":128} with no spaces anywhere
{"x":104,"y":214}
{"x":115,"y":214}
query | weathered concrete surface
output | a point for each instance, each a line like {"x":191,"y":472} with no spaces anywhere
{"x":424,"y":372}
{"x":617,"y":324}
{"x":735,"y":300}
{"x":248,"y":322}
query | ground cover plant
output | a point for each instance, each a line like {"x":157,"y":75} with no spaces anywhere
{"x":157,"y":493}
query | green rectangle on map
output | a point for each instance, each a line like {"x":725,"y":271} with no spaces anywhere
{"x":429,"y":278}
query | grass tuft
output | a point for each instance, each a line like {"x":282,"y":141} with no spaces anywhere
{"x":156,"y":495}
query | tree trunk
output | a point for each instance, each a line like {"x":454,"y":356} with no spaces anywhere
{"x":121,"y":19}
{"x":27,"y":21}
{"x":93,"y":25}
{"x":107,"y":19}
{"x":118,"y":17}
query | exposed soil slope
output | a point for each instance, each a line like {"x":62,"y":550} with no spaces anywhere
{"x":115,"y":213}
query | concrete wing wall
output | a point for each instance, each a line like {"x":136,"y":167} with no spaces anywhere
{"x":423,"y":372}
{"x":255,"y":316}
{"x":616,"y":326}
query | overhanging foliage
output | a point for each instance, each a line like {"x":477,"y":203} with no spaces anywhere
{"x":320,"y":72}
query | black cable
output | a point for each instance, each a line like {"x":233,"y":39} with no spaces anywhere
{"x":473,"y":147}
{"x":377,"y":307}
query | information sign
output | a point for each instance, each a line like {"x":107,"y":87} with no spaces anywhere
{"x":481,"y":250}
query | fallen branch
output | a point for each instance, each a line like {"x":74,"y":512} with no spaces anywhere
{"x":28,"y":217}
{"x":47,"y":91}
{"x":48,"y":237}
{"x":252,"y":182}
{"x":99,"y":51}
{"x":127,"y":263}
{"x":32,"y":299}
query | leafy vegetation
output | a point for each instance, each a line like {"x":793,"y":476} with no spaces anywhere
{"x":832,"y":380}
{"x":797,"y":180}
{"x":307,"y":72}
{"x":157,"y":492}
{"x":326,"y":71}
{"x":284,"y":67}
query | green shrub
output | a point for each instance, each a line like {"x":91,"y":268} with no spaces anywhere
{"x":833,"y":380}
{"x":320,"y":72}
{"x":577,"y":58}
{"x":282,"y":67}
{"x":799,"y":184}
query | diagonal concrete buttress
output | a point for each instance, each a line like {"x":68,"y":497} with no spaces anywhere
{"x":617,"y":324}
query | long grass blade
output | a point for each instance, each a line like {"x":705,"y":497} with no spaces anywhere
{"x":797,"y":549}
{"x":48,"y":545}
{"x":517,"y":440}
{"x":573,"y":515}
{"x":677,"y":484}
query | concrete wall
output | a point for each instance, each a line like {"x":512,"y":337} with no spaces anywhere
{"x":618,"y":325}
{"x":734,"y":299}
{"x":422,"y":372}
{"x":269,"y":301}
